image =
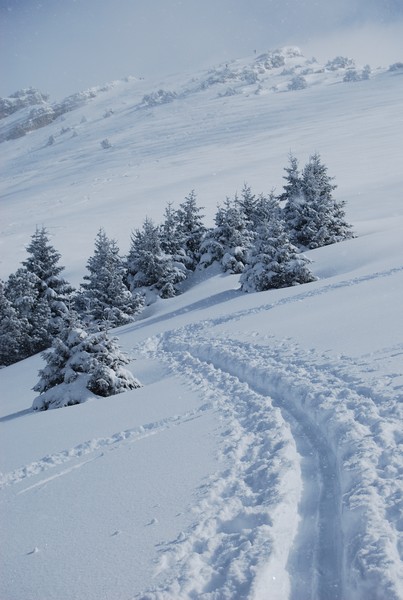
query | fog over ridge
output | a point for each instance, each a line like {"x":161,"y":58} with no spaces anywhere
{"x":63,"y":46}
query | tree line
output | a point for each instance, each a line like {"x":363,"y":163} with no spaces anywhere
{"x":261,"y":237}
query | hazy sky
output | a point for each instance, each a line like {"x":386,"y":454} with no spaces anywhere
{"x":63,"y":46}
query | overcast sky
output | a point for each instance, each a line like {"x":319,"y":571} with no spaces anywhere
{"x":63,"y":46}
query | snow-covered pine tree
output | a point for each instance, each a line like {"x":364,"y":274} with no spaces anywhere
{"x":11,"y":331}
{"x":22,"y":290}
{"x":313,"y":217}
{"x":191,"y":229}
{"x":266,"y":208}
{"x":39,"y":295}
{"x":292,"y":187}
{"x":273,"y":262}
{"x":149,"y":267}
{"x":105,"y":297}
{"x":170,"y":236}
{"x":228,"y":242}
{"x":256,"y":209}
{"x":43,"y":262}
{"x":108,"y":375}
{"x":247,"y":203}
{"x":81,"y":364}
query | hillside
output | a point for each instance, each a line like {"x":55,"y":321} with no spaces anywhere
{"x":262,"y":456}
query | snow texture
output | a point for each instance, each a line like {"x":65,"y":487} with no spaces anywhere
{"x":262,"y":456}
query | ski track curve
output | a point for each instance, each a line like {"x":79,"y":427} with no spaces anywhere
{"x":345,"y":476}
{"x":308,"y":293}
{"x":320,"y":290}
{"x":232,"y":550}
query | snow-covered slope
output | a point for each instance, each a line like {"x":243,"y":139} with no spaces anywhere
{"x":261,"y":458}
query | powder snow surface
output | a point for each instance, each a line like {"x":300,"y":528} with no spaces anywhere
{"x":261,"y":457}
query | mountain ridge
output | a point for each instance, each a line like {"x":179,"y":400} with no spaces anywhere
{"x":284,"y":69}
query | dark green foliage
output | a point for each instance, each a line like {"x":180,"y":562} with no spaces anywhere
{"x":191,"y":230}
{"x":33,"y":311}
{"x":11,"y":331}
{"x":273,"y":261}
{"x":149,"y":266}
{"x":229,"y":240}
{"x":80,"y":360}
{"x":104,"y":297}
{"x":313,"y":217}
{"x":43,"y":261}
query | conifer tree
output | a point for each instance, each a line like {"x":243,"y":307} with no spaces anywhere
{"x":11,"y":331}
{"x":104,"y":297}
{"x":170,"y":236}
{"x":266,"y":208}
{"x":78,"y":362}
{"x":43,"y":262}
{"x":22,"y":290}
{"x":229,"y":241}
{"x":313,"y":217}
{"x":150,"y":267}
{"x":108,"y":375}
{"x":273,"y":261}
{"x":292,"y":187}
{"x":247,"y":203}
{"x":191,"y":230}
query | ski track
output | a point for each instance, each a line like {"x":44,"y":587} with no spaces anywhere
{"x":241,"y":512}
{"x":237,"y":315}
{"x":311,"y":293}
{"x":308,"y":505}
{"x":337,"y":468}
{"x":127,"y":436}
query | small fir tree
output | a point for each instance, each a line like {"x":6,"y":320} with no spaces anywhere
{"x":266,"y":208}
{"x":80,"y":362}
{"x":39,"y":296}
{"x":247,"y":203}
{"x":43,"y":262}
{"x":313,"y":217}
{"x":11,"y":331}
{"x":229,"y":241}
{"x":273,"y":261}
{"x":104,"y":297}
{"x":150,"y":267}
{"x":22,"y":290}
{"x":191,"y":230}
{"x":292,"y":187}
{"x":170,"y":236}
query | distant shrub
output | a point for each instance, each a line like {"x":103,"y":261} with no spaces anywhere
{"x":105,"y":144}
{"x":352,"y":75}
{"x":248,"y":76}
{"x":277,"y":58}
{"x":159,"y":97}
{"x":366,"y":72}
{"x":228,"y":92}
{"x":340,"y":62}
{"x":297,"y":83}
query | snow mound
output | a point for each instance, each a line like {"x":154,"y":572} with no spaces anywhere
{"x":64,"y":394}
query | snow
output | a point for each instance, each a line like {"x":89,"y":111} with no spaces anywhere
{"x":262,"y":456}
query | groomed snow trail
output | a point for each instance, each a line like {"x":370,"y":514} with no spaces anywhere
{"x":306,"y":506}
